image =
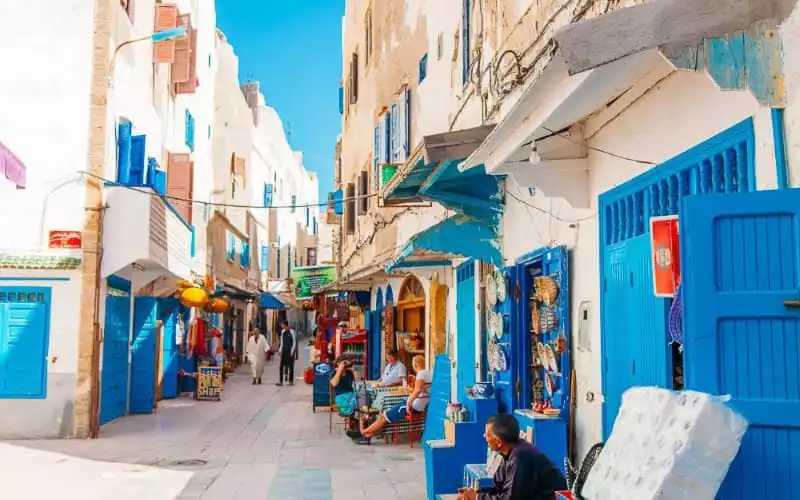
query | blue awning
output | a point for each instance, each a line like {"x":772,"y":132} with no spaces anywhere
{"x":456,"y":237}
{"x":432,"y":175}
{"x":269,"y":301}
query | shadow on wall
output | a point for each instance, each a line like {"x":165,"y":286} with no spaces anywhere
{"x":48,"y":418}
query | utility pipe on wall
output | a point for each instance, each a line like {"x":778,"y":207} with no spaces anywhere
{"x":779,"y":142}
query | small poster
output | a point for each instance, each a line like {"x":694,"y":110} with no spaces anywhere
{"x":666,"y":255}
{"x":209,"y":383}
{"x":65,"y":240}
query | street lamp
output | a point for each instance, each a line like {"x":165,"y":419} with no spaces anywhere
{"x":158,"y":36}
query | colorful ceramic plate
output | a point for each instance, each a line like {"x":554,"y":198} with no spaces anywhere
{"x":492,"y":325}
{"x":542,"y":354}
{"x":502,"y":359}
{"x":501,"y":287}
{"x":491,"y":290}
{"x":499,"y":325}
{"x":492,"y":355}
{"x":549,"y":385}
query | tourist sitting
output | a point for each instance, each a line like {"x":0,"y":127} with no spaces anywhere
{"x":395,"y":372}
{"x":343,"y":383}
{"x":525,"y":473}
{"x":417,"y":403}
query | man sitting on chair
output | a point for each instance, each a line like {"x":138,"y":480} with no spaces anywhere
{"x":395,"y":371}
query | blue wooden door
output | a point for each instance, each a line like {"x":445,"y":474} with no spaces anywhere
{"x":116,"y":342}
{"x":741,"y":262}
{"x":24,"y":342}
{"x":143,"y":367}
{"x":635,"y":336}
{"x":465,"y":333}
{"x":169,"y":309}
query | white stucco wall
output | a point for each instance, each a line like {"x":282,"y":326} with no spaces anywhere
{"x":44,"y":98}
{"x":680,"y":112}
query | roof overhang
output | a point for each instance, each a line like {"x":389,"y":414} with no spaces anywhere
{"x":598,"y":60}
{"x":269,"y":301}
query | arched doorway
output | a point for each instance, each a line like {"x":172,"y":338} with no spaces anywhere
{"x":411,"y":320}
{"x":438,"y":318}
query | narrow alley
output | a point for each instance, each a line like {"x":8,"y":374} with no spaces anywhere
{"x":261,"y":442}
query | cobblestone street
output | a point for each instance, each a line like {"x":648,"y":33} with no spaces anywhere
{"x":260,"y":442}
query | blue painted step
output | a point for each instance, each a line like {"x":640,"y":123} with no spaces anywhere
{"x":477,"y":476}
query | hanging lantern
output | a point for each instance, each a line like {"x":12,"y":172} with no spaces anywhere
{"x":217,"y":306}
{"x":193,"y":297}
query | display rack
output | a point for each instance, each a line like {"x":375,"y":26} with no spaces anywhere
{"x":354,"y":348}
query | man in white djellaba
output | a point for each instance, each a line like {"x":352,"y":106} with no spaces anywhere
{"x":257,"y":349}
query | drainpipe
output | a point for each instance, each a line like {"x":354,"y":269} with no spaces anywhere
{"x":779,"y":142}
{"x":94,"y":407}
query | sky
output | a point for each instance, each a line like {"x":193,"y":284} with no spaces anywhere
{"x":294,"y":49}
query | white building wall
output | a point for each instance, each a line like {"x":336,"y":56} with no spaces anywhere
{"x":678,"y":113}
{"x":44,"y":98}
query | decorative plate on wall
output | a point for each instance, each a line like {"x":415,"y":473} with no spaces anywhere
{"x":502,"y":290}
{"x":491,"y":290}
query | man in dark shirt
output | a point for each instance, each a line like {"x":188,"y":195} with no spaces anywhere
{"x":525,"y":474}
{"x":287,"y":351}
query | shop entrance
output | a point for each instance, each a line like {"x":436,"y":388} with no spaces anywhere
{"x":465,"y":335}
{"x":635,"y":343}
{"x":411,"y":321}
{"x":741,"y":304}
{"x":116,"y":339}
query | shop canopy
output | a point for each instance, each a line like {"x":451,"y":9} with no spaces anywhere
{"x":11,"y":167}
{"x":456,"y":237}
{"x":269,"y":301}
{"x":598,"y":60}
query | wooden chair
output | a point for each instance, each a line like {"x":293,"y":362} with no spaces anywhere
{"x":332,"y":407}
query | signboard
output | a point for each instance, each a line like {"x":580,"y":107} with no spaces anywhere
{"x":310,"y":280}
{"x":665,"y":247}
{"x":209,"y":383}
{"x":65,"y":239}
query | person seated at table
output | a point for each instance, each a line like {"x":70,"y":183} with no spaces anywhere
{"x":395,"y":371}
{"x":343,"y":383}
{"x":417,"y":402}
{"x":525,"y":473}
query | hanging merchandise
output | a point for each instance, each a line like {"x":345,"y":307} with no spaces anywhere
{"x":548,"y":321}
{"x":561,"y":343}
{"x":550,"y":359}
{"x":546,"y":289}
{"x":180,"y":330}
{"x":676,"y":318}
{"x":535,"y":315}
{"x":502,"y":290}
{"x":499,"y":325}
{"x":491,"y":290}
{"x":217,"y":306}
{"x":193,"y":297}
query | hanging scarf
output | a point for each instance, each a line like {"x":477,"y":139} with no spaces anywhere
{"x":676,"y":317}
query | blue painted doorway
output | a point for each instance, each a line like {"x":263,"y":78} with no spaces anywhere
{"x":143,"y":364}
{"x":741,"y":289}
{"x":376,"y":334}
{"x":465,"y":336}
{"x":634,"y":340}
{"x":24,"y":342}
{"x":168,"y":313}
{"x":116,"y":342}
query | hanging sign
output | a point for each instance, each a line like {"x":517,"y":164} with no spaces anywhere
{"x":65,"y":239}
{"x":209,"y":383}
{"x":665,"y":247}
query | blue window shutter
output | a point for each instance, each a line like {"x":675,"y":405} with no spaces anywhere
{"x":264,"y":258}
{"x":278,"y":267}
{"x":268,"y":189}
{"x":244,"y":258}
{"x":315,"y":225}
{"x":294,"y":203}
{"x":387,"y":124}
{"x":423,"y":68}
{"x":289,"y":260}
{"x":407,"y":124}
{"x":193,"y":249}
{"x":338,"y":206}
{"x":394,"y":139}
{"x":138,"y":158}
{"x":189,"y":131}
{"x":124,"y":152}
{"x":376,"y":151}
{"x":466,"y":54}
{"x":341,"y":99}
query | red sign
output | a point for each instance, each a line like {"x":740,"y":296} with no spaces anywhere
{"x":65,"y":239}
{"x":665,"y":245}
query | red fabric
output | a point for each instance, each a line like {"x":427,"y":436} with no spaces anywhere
{"x":321,"y":344}
{"x":200,"y":341}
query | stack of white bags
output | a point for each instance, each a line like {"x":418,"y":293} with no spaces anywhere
{"x":666,"y":445}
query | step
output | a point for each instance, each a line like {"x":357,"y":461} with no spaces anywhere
{"x":477,"y":476}
{"x":440,"y":443}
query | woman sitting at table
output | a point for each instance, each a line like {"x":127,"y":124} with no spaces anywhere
{"x":343,"y":383}
{"x":417,"y":403}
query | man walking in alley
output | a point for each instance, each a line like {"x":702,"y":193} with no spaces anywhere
{"x":287,"y":350}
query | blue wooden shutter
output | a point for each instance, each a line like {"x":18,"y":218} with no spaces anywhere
{"x":289,"y":260}
{"x":338,"y":205}
{"x":407,"y":124}
{"x":423,"y":68}
{"x":268,"y":189}
{"x":264,"y":258}
{"x":465,"y":42}
{"x":244,"y":258}
{"x":294,"y":203}
{"x":394,"y":139}
{"x":138,"y":158}
{"x":24,"y":342}
{"x":124,"y":152}
{"x":278,"y":259}
{"x":192,"y":248}
{"x":387,"y":131}
{"x":315,"y":225}
{"x":230,"y":245}
{"x":376,"y":156}
{"x":341,"y":99}
{"x":189,"y":131}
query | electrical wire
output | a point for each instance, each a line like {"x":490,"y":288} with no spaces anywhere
{"x":550,"y":213}
{"x":219,"y":204}
{"x":599,"y":150}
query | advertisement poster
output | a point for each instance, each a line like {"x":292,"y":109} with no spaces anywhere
{"x":310,"y":280}
{"x":209,"y":383}
{"x":665,"y":243}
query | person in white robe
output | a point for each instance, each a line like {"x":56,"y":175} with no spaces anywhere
{"x":257,"y":349}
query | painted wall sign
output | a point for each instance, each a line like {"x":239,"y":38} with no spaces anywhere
{"x":209,"y":383}
{"x":310,"y":280}
{"x":665,"y":247}
{"x":65,"y":239}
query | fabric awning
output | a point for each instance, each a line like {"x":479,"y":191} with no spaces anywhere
{"x":456,"y":237}
{"x":12,"y":167}
{"x":269,"y":301}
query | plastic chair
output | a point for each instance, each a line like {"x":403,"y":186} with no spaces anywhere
{"x":416,"y":425}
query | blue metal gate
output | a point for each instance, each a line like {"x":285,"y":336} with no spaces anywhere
{"x":465,"y":336}
{"x":633,"y":327}
{"x":143,"y":364}
{"x":116,"y":342}
{"x":741,"y":289}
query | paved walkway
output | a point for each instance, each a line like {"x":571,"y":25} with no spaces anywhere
{"x":260,"y":442}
